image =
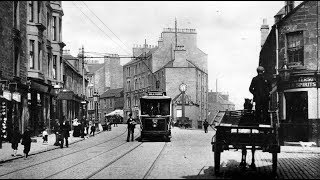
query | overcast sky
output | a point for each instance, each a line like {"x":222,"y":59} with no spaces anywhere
{"x":229,"y":32}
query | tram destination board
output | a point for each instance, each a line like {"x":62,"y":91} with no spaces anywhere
{"x":156,"y":93}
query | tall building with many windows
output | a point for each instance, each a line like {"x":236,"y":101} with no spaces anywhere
{"x":174,"y":61}
{"x":44,"y":41}
{"x":13,"y":65}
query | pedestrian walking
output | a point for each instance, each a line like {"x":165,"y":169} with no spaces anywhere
{"x":45,"y":136}
{"x":26,"y":141}
{"x":131,"y":125}
{"x":56,"y":130}
{"x":260,"y":87}
{"x":82,"y":125}
{"x":65,"y":134}
{"x":205,"y":125}
{"x":15,"y":140}
{"x":93,"y":129}
{"x":87,"y":128}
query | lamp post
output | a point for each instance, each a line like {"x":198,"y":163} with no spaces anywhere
{"x":57,"y":89}
{"x":95,"y":99}
{"x":183,"y":88}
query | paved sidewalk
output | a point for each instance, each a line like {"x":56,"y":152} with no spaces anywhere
{"x":36,"y":147}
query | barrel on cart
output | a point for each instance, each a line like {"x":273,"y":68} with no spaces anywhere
{"x":231,"y":133}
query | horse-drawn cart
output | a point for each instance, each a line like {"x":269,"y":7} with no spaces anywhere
{"x":238,"y":130}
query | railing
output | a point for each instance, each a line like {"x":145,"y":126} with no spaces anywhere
{"x":179,"y":30}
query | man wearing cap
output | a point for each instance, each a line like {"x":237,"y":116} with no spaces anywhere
{"x":131,"y":125}
{"x":260,"y":87}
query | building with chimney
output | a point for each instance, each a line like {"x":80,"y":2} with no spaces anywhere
{"x":72,"y":98}
{"x":290,"y":55}
{"x":44,"y":41}
{"x":103,"y":77}
{"x":174,"y":61}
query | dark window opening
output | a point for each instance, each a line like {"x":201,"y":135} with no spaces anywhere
{"x":295,"y":47}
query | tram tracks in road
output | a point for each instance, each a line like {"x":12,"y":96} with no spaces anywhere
{"x":88,"y":159}
{"x":150,"y":169}
{"x":154,"y":162}
{"x":62,"y":156}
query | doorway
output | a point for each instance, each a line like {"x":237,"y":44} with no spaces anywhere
{"x":296,"y":123}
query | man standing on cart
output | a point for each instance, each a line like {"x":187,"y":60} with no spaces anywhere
{"x":260,"y":87}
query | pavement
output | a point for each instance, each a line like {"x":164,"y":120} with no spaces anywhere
{"x":37,"y":146}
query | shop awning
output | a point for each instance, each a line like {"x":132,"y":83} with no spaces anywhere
{"x":116,"y":112}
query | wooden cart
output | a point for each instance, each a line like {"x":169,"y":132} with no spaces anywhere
{"x":232,"y":134}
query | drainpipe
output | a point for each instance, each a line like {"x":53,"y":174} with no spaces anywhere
{"x":277,"y":62}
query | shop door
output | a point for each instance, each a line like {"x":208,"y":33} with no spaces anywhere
{"x":297,"y":116}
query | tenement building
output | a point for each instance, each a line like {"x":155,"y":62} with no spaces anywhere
{"x":13,"y":66}
{"x":290,"y":54}
{"x":176,"y":60}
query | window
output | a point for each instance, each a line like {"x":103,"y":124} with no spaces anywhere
{"x":39,"y":11}
{"x":31,"y":54}
{"x":39,"y":55}
{"x":31,"y":11}
{"x":49,"y":64}
{"x":61,"y":69}
{"x":105,"y":103}
{"x":54,"y":28}
{"x":16,"y":64}
{"x":295,"y":47}
{"x":60,"y":26}
{"x":48,"y":24}
{"x":110,"y":103}
{"x":135,"y":84}
{"x":16,"y":14}
{"x":54,"y":66}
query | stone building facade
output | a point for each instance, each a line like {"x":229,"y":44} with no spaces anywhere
{"x":72,"y":97}
{"x":110,"y":100}
{"x":44,"y":41}
{"x":290,"y":55}
{"x":175,"y":60}
{"x":13,"y":68}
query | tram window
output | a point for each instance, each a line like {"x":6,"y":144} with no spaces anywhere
{"x":153,"y":108}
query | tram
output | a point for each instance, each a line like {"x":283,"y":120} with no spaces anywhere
{"x":155,"y":116}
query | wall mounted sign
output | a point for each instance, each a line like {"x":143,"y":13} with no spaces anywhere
{"x":301,"y":82}
{"x":16,"y":96}
{"x":7,"y":95}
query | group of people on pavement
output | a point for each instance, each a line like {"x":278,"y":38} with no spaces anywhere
{"x":26,"y":141}
{"x":61,"y":131}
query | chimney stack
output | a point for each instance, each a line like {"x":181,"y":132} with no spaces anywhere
{"x":264,"y":31}
{"x":289,"y":5}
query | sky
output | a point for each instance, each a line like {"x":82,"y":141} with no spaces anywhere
{"x":228,"y":31}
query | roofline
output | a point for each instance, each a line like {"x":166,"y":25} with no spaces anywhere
{"x":291,"y":12}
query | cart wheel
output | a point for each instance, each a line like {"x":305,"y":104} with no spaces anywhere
{"x":217,"y":156}
{"x":274,"y":164}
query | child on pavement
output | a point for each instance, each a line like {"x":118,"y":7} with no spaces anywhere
{"x":45,"y":136}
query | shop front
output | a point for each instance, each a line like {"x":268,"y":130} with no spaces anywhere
{"x":299,"y":109}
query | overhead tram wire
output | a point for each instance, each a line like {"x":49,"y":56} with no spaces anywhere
{"x":100,"y":28}
{"x":105,"y":24}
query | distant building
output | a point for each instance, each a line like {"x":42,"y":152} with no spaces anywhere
{"x":103,"y":77}
{"x":175,"y":60}
{"x":290,"y":56}
{"x":111,"y":100}
{"x":72,"y":93}
{"x":218,"y":101}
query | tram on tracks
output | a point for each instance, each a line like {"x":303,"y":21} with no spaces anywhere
{"x":239,"y":130}
{"x":155,"y":116}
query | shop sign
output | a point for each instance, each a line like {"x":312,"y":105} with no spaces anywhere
{"x":7,"y":95}
{"x":302,"y":82}
{"x":16,"y":96}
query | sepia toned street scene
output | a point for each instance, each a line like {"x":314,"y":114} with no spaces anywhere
{"x":159,"y":90}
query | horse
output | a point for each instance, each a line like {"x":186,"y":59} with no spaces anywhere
{"x":248,"y":120}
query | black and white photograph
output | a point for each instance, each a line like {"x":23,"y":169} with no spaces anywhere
{"x":159,"y":89}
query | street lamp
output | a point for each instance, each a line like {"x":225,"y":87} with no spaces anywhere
{"x":57,"y":104}
{"x":95,"y":99}
{"x":183,"y":89}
